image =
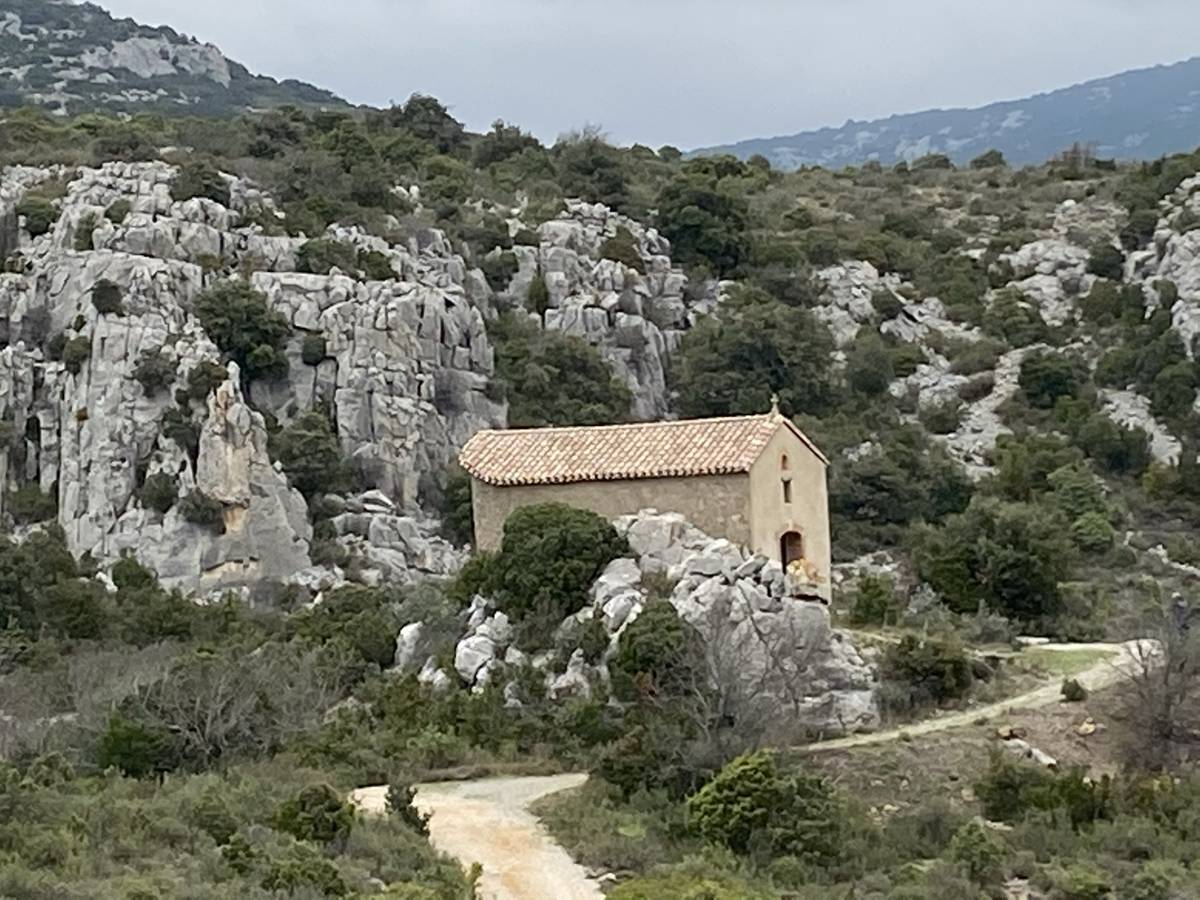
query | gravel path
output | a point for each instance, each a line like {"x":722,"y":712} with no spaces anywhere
{"x":488,"y":822}
{"x":1104,"y":674}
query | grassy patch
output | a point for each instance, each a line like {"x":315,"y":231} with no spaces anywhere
{"x":1063,"y":662}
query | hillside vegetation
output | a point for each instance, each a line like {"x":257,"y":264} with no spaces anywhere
{"x":1000,"y":363}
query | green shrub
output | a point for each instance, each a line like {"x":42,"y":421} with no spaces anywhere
{"x":1014,"y":320}
{"x":200,"y":509}
{"x":76,"y":352}
{"x":1010,"y":790}
{"x":239,"y":320}
{"x":177,"y":426}
{"x":303,"y":872}
{"x":1073,"y":691}
{"x":118,"y":211}
{"x":1093,"y":533}
{"x":83,"y":232}
{"x":1009,"y":558}
{"x":1107,"y":261}
{"x":321,"y":255}
{"x":942,"y":418}
{"x":732,"y":363}
{"x":154,"y":371}
{"x":1077,"y":881}
{"x":656,"y":655}
{"x":874,"y":601}
{"x":1117,"y":449}
{"x":622,"y":248}
{"x":400,"y":803}
{"x":705,"y":223}
{"x":204,"y":378}
{"x":980,"y":851}
{"x":39,"y":214}
{"x":136,"y":749}
{"x":499,"y":269}
{"x":199,"y":179}
{"x":869,"y":366}
{"x":159,"y":492}
{"x":549,"y":556}
{"x":28,"y":505}
{"x":555,"y":379}
{"x":751,"y":804}
{"x":926,"y":671}
{"x":312,"y":456}
{"x":1173,"y":391}
{"x":318,"y":813}
{"x":458,"y":513}
{"x":688,"y":886}
{"x":106,"y":297}
{"x":538,"y":298}
{"x":1045,"y":377}
{"x":313,"y":350}
{"x":376,"y":266}
{"x":992,"y":159}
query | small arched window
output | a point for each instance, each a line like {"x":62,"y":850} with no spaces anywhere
{"x":785,"y":463}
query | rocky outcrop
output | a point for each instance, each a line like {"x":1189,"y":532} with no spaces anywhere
{"x":404,"y":365}
{"x":779,"y":658}
{"x":635,"y":320}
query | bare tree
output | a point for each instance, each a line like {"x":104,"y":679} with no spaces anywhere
{"x":1160,"y":709}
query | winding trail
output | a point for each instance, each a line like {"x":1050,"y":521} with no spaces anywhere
{"x":489,"y":822}
{"x":1104,"y":674}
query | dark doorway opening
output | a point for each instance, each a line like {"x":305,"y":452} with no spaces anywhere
{"x":791,"y":548}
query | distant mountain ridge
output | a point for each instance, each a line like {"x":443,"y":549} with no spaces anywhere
{"x":1140,"y":114}
{"x":72,"y":58}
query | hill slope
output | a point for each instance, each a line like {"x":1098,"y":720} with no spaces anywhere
{"x":77,"y":58}
{"x":1141,"y":114}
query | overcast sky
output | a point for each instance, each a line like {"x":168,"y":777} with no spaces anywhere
{"x":685,"y":72}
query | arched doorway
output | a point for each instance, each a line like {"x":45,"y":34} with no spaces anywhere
{"x":791,"y":548}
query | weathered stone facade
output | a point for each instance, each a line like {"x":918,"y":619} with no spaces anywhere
{"x":755,"y":481}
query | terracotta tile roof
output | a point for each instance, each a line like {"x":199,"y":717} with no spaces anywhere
{"x":685,"y":448}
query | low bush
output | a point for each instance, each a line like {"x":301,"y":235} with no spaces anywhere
{"x":622,"y":248}
{"x":154,"y":371}
{"x":312,"y":456}
{"x":76,"y":352}
{"x":657,"y":655}
{"x":549,"y":556}
{"x":118,"y":211}
{"x":200,"y":179}
{"x":318,"y":814}
{"x":27,"y":504}
{"x":106,"y":297}
{"x":159,"y":492}
{"x":750,"y":804}
{"x":499,"y":269}
{"x":200,"y":509}
{"x":322,"y":255}
{"x":313,"y":350}
{"x":39,"y":214}
{"x":925,"y":671}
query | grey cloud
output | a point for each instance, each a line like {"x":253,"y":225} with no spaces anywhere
{"x":686,"y":72}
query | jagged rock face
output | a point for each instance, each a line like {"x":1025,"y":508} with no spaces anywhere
{"x":406,"y":370}
{"x":634,"y":320}
{"x":75,"y":57}
{"x":781,"y":659}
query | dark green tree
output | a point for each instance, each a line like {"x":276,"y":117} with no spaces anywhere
{"x":241,"y":322}
{"x":554,"y":379}
{"x":732,"y":363}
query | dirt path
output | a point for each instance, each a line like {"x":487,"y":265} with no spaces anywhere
{"x":488,"y":822}
{"x":1104,"y":674}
